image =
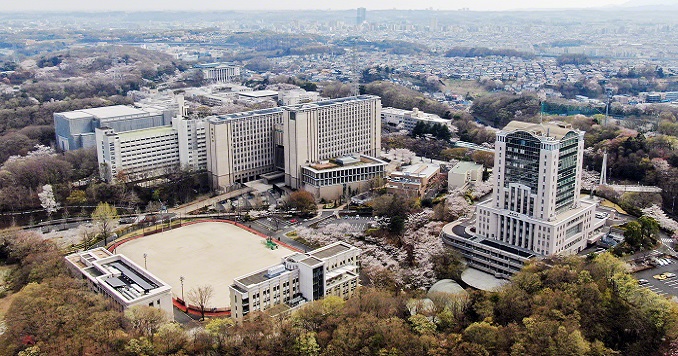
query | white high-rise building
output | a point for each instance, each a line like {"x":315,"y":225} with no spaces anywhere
{"x":536,"y":203}
{"x":242,"y":146}
{"x":298,"y":140}
{"x":330,"y":129}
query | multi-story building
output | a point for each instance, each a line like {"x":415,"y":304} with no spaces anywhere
{"x":464,"y":173}
{"x":535,"y":208}
{"x":219,"y":72}
{"x":329,"y":129}
{"x":413,"y":180}
{"x":294,"y":139}
{"x":120,"y":280}
{"x":143,"y":154}
{"x":406,"y":119}
{"x":536,"y":201}
{"x":242,"y":146}
{"x":332,"y":179}
{"x":299,"y":278}
{"x":297,"y":96}
{"x":76,"y":129}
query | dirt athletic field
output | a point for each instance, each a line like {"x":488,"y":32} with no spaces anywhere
{"x":209,"y":253}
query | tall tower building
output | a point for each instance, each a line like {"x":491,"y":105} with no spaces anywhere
{"x":536,"y":203}
{"x":361,"y":14}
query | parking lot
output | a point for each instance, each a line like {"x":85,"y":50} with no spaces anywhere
{"x":358,"y":223}
{"x":666,"y":287}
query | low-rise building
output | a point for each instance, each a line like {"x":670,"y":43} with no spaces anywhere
{"x":299,"y":278}
{"x":412,"y":180}
{"x":464,"y":173}
{"x":406,"y":119}
{"x":297,"y":96}
{"x":220,"y":72}
{"x":329,"y":180}
{"x":120,"y":280}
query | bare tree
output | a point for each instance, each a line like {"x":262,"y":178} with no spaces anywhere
{"x":200,"y":296}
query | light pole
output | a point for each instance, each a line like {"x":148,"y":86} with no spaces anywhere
{"x":145,"y":255}
{"x":181,"y":278}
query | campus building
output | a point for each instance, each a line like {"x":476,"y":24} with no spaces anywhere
{"x":535,"y":207}
{"x":464,"y":173}
{"x":148,"y":153}
{"x":291,"y":140}
{"x":408,"y":119}
{"x":299,"y":278}
{"x":76,"y":129}
{"x":219,"y":72}
{"x":331,"y":179}
{"x":120,"y":280}
{"x":242,"y":146}
{"x":413,"y":180}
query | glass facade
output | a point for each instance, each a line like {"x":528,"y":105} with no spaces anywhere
{"x":522,"y":160}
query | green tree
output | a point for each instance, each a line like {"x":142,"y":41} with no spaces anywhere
{"x":105,"y":216}
{"x":306,"y":344}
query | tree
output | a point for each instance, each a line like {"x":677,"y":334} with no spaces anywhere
{"x":105,"y":216}
{"x":145,"y":320}
{"x":218,"y":328}
{"x":201,"y":296}
{"x":303,"y":201}
{"x":47,"y":200}
{"x":306,"y":344}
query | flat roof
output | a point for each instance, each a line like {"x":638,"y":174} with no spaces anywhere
{"x":258,"y":93}
{"x":310,"y":261}
{"x":418,"y":170}
{"x":254,"y":278}
{"x":106,"y":112}
{"x":465,"y":166}
{"x":329,"y":251}
{"x":113,"y":111}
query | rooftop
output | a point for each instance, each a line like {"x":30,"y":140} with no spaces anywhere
{"x":330,"y":250}
{"x":556,"y":130}
{"x":146,"y":132}
{"x":418,"y":170}
{"x":311,"y":261}
{"x":463,"y":167}
{"x":258,"y":93}
{"x":105,"y":112}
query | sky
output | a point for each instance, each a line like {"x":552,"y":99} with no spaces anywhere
{"x":207,"y":5}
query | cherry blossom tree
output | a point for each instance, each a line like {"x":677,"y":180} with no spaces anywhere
{"x":47,"y":200}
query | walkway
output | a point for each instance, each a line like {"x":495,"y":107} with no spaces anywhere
{"x":187,"y":208}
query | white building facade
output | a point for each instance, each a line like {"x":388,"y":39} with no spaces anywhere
{"x":143,"y":154}
{"x":536,"y":203}
{"x":299,"y":278}
{"x":121,"y":280}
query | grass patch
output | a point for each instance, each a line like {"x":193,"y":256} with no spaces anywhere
{"x":609,"y":204}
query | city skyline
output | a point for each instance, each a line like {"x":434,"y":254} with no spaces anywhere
{"x":173,"y":5}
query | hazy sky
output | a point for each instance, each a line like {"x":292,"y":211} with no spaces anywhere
{"x":200,"y":5}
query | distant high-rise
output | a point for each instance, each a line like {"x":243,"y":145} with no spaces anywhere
{"x":360,"y":15}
